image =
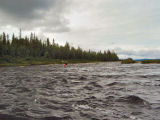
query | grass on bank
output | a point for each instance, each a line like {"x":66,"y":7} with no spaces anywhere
{"x":18,"y":61}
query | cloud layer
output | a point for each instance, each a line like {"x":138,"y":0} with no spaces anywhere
{"x":96,"y":24}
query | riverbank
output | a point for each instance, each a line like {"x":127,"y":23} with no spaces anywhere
{"x":150,"y":62}
{"x":10,"y":61}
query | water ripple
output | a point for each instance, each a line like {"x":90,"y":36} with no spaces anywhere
{"x":94,"y":91}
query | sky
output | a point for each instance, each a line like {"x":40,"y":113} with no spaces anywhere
{"x":131,"y":28}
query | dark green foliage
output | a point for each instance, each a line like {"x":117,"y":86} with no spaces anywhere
{"x":128,"y":61}
{"x":34,"y":47}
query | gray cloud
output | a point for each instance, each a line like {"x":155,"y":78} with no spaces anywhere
{"x":47,"y":15}
{"x":24,"y":8}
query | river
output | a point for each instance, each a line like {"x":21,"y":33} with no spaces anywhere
{"x":92,"y":91}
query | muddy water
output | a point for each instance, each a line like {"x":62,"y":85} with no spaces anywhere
{"x":97,"y":91}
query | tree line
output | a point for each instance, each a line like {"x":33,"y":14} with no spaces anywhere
{"x":34,"y":47}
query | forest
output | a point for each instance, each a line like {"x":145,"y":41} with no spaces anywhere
{"x":32,"y":46}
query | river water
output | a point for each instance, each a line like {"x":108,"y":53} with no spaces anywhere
{"x":93,"y":91}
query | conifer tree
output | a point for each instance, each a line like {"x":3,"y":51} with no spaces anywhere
{"x":34,"y":47}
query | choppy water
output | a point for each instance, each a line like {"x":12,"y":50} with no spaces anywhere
{"x":97,"y":91}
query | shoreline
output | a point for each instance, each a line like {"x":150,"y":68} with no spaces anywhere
{"x":48,"y":62}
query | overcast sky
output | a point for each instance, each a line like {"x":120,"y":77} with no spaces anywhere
{"x":129,"y":27}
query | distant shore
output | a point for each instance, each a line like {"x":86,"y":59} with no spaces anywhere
{"x":131,"y":61}
{"x":151,"y":61}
